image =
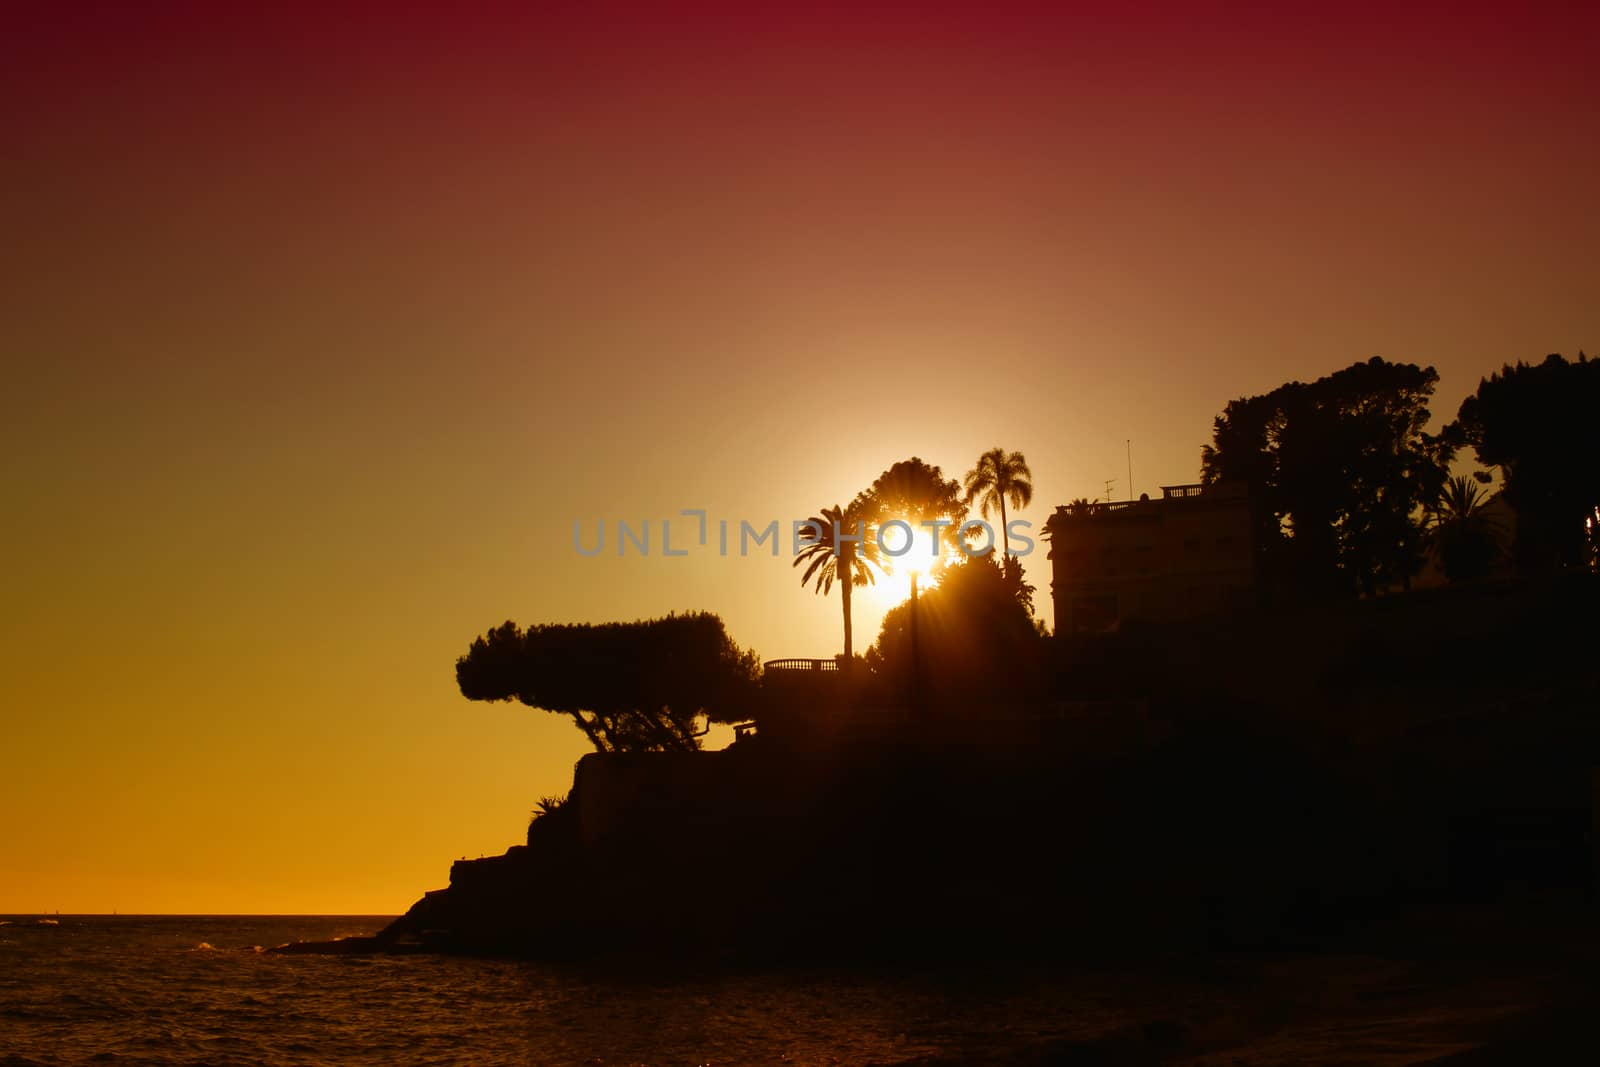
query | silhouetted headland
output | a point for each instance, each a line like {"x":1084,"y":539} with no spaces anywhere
{"x":1278,"y":781}
{"x":1326,"y":695}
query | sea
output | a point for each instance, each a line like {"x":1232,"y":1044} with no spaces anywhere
{"x":201,"y":990}
{"x":193,"y":990}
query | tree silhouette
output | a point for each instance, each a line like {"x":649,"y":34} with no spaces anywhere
{"x":1338,"y":471}
{"x":999,"y":478}
{"x":1465,"y":535}
{"x":916,"y":492}
{"x":831,"y":553}
{"x":1021,"y":590}
{"x":978,"y":642}
{"x":1536,"y":423}
{"x":630,"y":687}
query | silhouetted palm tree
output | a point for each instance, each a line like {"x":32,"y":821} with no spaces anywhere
{"x":830,"y":558}
{"x":1000,"y":479}
{"x":1466,"y":535}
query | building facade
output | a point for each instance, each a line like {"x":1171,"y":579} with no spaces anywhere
{"x":1185,"y":556}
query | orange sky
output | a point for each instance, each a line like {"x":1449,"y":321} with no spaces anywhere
{"x":322,"y":333}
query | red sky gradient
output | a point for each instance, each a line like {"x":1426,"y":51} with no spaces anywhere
{"x":322,"y":330}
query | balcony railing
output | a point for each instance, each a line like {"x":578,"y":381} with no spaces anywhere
{"x":801,"y":665}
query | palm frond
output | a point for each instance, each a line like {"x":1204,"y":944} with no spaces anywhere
{"x":821,"y":559}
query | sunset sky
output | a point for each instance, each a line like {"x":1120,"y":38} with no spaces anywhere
{"x":323,"y":330}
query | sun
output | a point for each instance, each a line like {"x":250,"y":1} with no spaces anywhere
{"x":893,"y":584}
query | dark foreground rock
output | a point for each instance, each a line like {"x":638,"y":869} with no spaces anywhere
{"x":1288,"y":782}
{"x":1184,"y":845}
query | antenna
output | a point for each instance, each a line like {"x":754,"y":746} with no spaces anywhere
{"x":1109,"y":483}
{"x":1130,"y":468}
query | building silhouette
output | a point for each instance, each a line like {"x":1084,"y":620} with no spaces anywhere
{"x":1185,"y":556}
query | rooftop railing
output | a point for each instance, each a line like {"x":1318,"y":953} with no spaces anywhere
{"x":1168,"y":493}
{"x":1097,"y":508}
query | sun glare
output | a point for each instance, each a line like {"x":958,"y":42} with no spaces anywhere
{"x":893,"y":585}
